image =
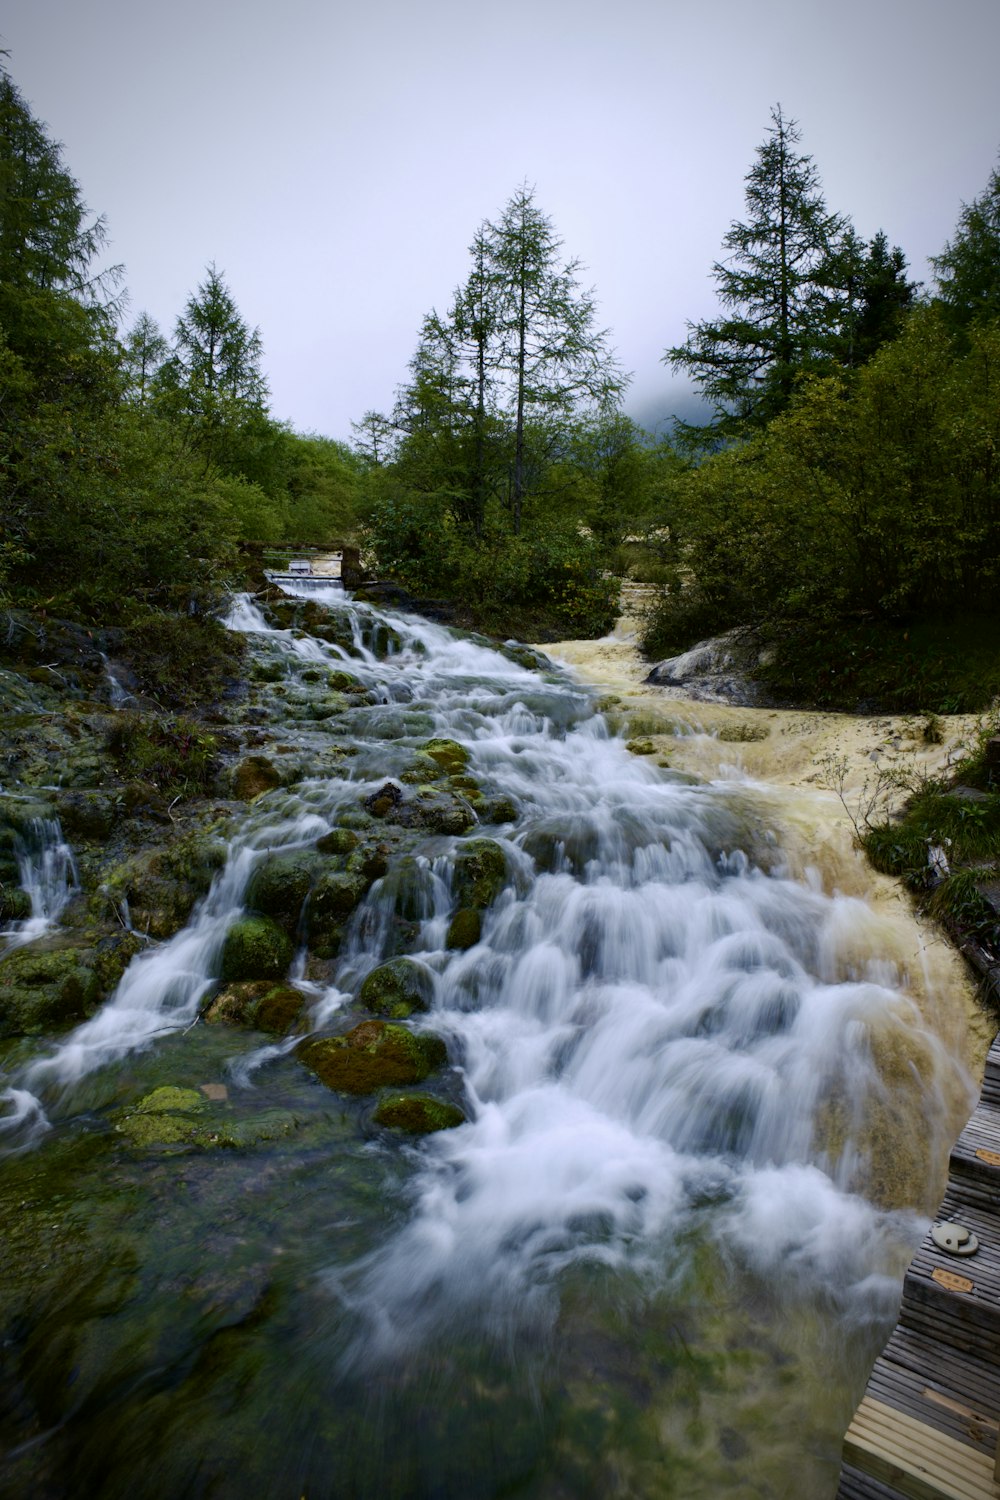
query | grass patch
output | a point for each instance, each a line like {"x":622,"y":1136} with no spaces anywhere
{"x":181,"y":660}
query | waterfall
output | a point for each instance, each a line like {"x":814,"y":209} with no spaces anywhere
{"x":47,"y":871}
{"x":677,"y":1062}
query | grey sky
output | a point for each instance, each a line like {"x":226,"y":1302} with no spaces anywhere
{"x":335,"y":160}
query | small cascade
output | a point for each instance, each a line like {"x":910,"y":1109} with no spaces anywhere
{"x":117,"y":692}
{"x":48,"y":874}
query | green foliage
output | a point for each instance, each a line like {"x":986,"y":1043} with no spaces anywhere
{"x":181,"y":659}
{"x":175,"y":755}
{"x":868,"y":509}
{"x":968,"y":268}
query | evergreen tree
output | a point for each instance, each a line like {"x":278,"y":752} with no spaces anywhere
{"x":968,"y":268}
{"x":774,"y":283}
{"x":145,"y":350}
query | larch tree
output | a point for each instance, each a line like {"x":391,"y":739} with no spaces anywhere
{"x":968,"y":268}
{"x":773,"y":286}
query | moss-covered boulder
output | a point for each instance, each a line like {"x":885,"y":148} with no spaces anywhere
{"x":258,"y":1003}
{"x":339,"y":841}
{"x":89,"y":815}
{"x":255,"y":948}
{"x":161,"y":884}
{"x":253,"y":776}
{"x":417,"y":1114}
{"x":479,"y":872}
{"x":279,"y":886}
{"x":448,"y":754}
{"x":334,"y":897}
{"x":374,"y":1055}
{"x":398,"y":988}
{"x":44,"y":987}
{"x":464,"y":929}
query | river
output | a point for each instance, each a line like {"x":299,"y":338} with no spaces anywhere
{"x":710,"y":1089}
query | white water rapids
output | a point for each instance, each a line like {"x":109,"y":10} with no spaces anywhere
{"x":660,"y":1033}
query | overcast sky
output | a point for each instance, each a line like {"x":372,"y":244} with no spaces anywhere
{"x":334,"y":160}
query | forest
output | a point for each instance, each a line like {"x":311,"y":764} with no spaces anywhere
{"x":838,"y":508}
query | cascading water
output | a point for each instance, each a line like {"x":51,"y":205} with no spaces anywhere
{"x":656,"y":1257}
{"x":48,"y":874}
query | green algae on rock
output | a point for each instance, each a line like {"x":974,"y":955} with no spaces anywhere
{"x":449,"y":755}
{"x":48,"y":984}
{"x":258,"y":1003}
{"x":418,"y":1114}
{"x":480,"y":871}
{"x":398,"y":988}
{"x":172,"y":1116}
{"x":255,"y":948}
{"x":373,"y":1055}
{"x":464,"y":929}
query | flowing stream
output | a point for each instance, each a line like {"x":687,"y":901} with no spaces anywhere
{"x":707,"y":1115}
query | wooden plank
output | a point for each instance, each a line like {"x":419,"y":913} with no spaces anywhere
{"x":923,"y":1464}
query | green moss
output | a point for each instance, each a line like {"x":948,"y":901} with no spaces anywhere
{"x":448,"y":754}
{"x":45,"y":987}
{"x":398,"y":988}
{"x":255,"y":948}
{"x":169,"y":1099}
{"x":464,"y":930}
{"x":254,"y":776}
{"x":258,"y":1003}
{"x":480,"y":871}
{"x":337,"y":841}
{"x":418,"y":1114}
{"x":374,"y":1055}
{"x":279,"y":886}
{"x":15,"y":904}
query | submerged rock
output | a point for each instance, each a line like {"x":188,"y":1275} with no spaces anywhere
{"x":418,"y":1114}
{"x":172,"y":1116}
{"x":374,"y":1055}
{"x":398,"y":988}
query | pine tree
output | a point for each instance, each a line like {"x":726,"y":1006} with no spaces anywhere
{"x":774,"y":283}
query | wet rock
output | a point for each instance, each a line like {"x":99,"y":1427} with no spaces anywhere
{"x":44,"y":986}
{"x":254,"y":776}
{"x":398,"y":988}
{"x":448,"y":754}
{"x":337,"y":841}
{"x":88,"y":815}
{"x":280,"y":885}
{"x":435,"y":812}
{"x":258,"y":1003}
{"x":179,"y":1117}
{"x":255,"y":948}
{"x":333,"y":898}
{"x":385,"y":801}
{"x":640,"y":747}
{"x":498,"y":809}
{"x":480,"y":872}
{"x":374,"y":1055}
{"x":418,"y":1114}
{"x":464,"y":929}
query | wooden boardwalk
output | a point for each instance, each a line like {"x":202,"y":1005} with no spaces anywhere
{"x":927,"y":1427}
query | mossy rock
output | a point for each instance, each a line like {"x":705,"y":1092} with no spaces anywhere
{"x":258,"y":1003}
{"x":479,"y":873}
{"x":640,"y":747}
{"x":422,"y":770}
{"x":269,"y":671}
{"x":418,"y":1114}
{"x":435,"y":812}
{"x":743,"y":733}
{"x":255,"y":948}
{"x":344,"y":682}
{"x":178,"y":1117}
{"x":254,"y":776}
{"x":334,"y":897}
{"x":338,"y":841}
{"x":42,"y":988}
{"x":398,"y":988}
{"x":88,"y":815}
{"x":112,"y":956}
{"x":497,"y":809}
{"x":448,"y":754}
{"x":279,"y":886}
{"x":464,"y":929}
{"x":374,"y":1055}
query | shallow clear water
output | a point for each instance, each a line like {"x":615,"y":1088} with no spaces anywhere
{"x":651,"y":1264}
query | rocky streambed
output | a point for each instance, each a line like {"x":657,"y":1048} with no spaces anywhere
{"x":411,"y":1090}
